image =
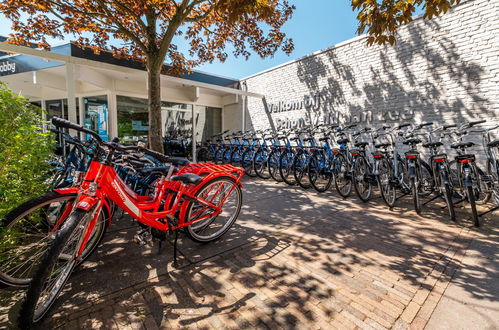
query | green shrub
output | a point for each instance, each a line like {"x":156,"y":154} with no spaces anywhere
{"x":24,"y":150}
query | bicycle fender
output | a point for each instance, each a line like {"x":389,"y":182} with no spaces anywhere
{"x":108,"y":211}
{"x":86,"y":203}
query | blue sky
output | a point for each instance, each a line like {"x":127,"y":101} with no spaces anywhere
{"x":315,"y":25}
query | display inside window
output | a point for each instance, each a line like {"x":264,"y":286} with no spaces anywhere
{"x":96,"y":118}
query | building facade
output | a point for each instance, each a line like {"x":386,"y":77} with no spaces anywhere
{"x":444,"y":70}
{"x":110,"y":95}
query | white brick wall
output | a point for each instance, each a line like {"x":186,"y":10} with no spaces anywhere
{"x":444,"y":70}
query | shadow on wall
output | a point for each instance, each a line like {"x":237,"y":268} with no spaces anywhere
{"x":415,"y":77}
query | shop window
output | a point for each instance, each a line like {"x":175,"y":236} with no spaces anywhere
{"x":96,"y":118}
{"x":133,"y":119}
{"x":59,"y":108}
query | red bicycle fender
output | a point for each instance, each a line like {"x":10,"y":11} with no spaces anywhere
{"x":86,"y":203}
{"x":105,"y":203}
{"x":75,"y":190}
{"x":70,"y":190}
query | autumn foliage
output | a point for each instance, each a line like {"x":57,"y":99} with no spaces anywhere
{"x":381,"y":19}
{"x":148,"y":30}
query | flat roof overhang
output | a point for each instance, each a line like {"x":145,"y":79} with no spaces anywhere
{"x":104,"y":70}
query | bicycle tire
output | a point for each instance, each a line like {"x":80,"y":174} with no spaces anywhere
{"x":471,"y":199}
{"x":260,"y":163}
{"x":360,"y":179}
{"x":386,"y":185}
{"x":449,"y":201}
{"x":70,"y":232}
{"x":480,"y":196}
{"x":17,"y":218}
{"x":247,"y":162}
{"x":285,"y":167}
{"x":300,"y":169}
{"x":316,"y":171}
{"x":340,"y":166}
{"x":415,"y":196}
{"x":273,"y":165}
{"x":193,"y":228}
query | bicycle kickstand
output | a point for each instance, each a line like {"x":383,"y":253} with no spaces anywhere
{"x":175,"y":263}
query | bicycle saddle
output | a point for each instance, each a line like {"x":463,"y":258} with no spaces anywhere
{"x":295,"y":139}
{"x":343,"y":141}
{"x":382,"y":145}
{"x":493,"y":143}
{"x":361,"y":144}
{"x":412,"y":141}
{"x":462,"y":145}
{"x":187,"y":178}
{"x":208,"y":141}
{"x":326,"y":138}
{"x":282,"y":137}
{"x":308,"y":139}
{"x":150,"y":170}
{"x":432,"y":144}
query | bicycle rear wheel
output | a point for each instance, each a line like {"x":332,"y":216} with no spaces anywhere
{"x":55,"y":269}
{"x":216,"y":191}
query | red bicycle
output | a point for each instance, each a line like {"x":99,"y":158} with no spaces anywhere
{"x":203,"y":198}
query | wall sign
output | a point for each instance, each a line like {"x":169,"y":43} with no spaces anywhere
{"x":319,"y":109}
{"x":7,"y":67}
{"x":309,"y":102}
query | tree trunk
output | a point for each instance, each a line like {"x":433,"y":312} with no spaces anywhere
{"x":154,"y":93}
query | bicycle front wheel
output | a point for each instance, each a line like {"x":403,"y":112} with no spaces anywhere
{"x":286,"y":167}
{"x":342,"y":176}
{"x":361,"y":182}
{"x":27,"y":232}
{"x":273,"y":164}
{"x":223,"y":192}
{"x":55,"y":269}
{"x":415,"y":195}
{"x":319,"y":172}
{"x":386,"y":183}
{"x":247,"y":162}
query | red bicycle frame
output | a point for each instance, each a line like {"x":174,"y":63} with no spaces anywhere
{"x":101,"y":182}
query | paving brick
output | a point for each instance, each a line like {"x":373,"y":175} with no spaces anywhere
{"x":410,"y":312}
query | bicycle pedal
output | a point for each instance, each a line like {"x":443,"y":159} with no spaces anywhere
{"x":143,"y":237}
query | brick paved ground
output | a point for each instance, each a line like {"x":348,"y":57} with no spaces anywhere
{"x":294,"y":260}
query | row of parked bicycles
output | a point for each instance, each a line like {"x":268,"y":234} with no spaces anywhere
{"x":400,"y":160}
{"x":44,"y":239}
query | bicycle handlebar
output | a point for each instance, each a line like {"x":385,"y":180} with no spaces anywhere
{"x":59,"y":122}
{"x":403,"y":125}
